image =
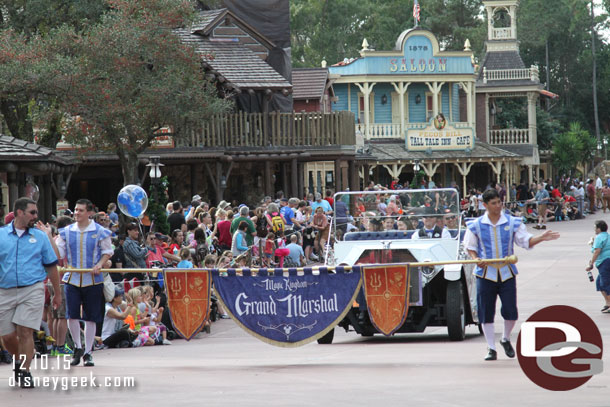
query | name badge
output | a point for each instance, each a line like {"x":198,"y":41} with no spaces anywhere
{"x":94,"y":236}
{"x":507,"y":228}
{"x":32,"y":240}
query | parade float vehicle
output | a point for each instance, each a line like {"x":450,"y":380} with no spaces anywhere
{"x":438,"y":294}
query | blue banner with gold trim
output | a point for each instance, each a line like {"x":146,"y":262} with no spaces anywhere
{"x":287,"y":309}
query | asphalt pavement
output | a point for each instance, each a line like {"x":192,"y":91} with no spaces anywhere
{"x":230,"y":368}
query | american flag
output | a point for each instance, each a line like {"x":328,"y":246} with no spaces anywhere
{"x":416,"y":11}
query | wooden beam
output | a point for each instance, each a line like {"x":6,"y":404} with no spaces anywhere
{"x":353,"y":176}
{"x":300,"y":180}
{"x":218,"y":175}
{"x":285,"y":186}
{"x":268,"y":188}
{"x":338,"y":184}
{"x":294,"y":179}
{"x":212,"y":179}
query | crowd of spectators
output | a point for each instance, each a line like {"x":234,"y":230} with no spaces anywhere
{"x":565,"y":199}
{"x":284,"y":232}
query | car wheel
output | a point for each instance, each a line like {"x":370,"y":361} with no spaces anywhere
{"x":328,"y":338}
{"x":455,"y":311}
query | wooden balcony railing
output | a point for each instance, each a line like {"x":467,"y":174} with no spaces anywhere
{"x":392,"y":130}
{"x":502,"y":33}
{"x":380,"y":130}
{"x":273,"y":129}
{"x":529,"y":74}
{"x":509,"y":136}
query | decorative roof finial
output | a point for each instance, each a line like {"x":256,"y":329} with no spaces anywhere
{"x":467,"y":45}
{"x":365,"y":45}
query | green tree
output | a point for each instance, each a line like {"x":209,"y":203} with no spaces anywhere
{"x":563,"y":28}
{"x":334,"y":29}
{"x":33,"y":19}
{"x":156,"y":205}
{"x":455,"y":21}
{"x":132,"y":76}
{"x":573,"y":147}
{"x":119,"y":81}
{"x":330,"y":30}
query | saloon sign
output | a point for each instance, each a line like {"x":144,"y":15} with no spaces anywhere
{"x":439,"y":135}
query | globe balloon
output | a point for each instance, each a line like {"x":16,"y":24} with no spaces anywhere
{"x":132,"y":200}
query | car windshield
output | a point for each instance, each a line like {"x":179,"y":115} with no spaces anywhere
{"x":430,"y":210}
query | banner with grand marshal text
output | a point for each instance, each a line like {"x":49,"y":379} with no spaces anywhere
{"x":287,"y":310}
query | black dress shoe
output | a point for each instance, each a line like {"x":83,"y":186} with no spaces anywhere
{"x":88,"y":360}
{"x":25,"y":380}
{"x":491,"y":355}
{"x":78,"y":353}
{"x":508,"y":349}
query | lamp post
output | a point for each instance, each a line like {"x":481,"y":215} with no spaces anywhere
{"x":155,"y":176}
{"x":605,"y":149}
{"x":416,"y":166}
{"x":155,"y":168}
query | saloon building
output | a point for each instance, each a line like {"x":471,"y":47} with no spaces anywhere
{"x":418,"y":107}
{"x":415,"y":108}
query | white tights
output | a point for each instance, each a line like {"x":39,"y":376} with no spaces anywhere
{"x":488,"y":331}
{"x":74,"y":327}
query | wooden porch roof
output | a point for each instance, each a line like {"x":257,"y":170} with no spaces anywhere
{"x":390,"y":152}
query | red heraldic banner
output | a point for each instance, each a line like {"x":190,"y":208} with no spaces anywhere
{"x":188,"y":299}
{"x":386,"y":289}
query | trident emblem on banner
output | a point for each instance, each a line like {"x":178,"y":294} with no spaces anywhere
{"x":176,"y":285}
{"x":376,"y":281}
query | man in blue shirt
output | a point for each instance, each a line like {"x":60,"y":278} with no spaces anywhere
{"x":288,"y":212}
{"x":323,"y":203}
{"x":542,"y":199}
{"x":297,"y":256}
{"x":26,"y":259}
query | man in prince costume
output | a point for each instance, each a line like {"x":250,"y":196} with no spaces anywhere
{"x":492,"y":236}
{"x":84,"y":244}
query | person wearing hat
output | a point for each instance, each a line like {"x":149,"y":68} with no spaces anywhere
{"x":323,"y":203}
{"x":113,"y":333}
{"x":244,"y":211}
{"x":430,"y":230}
{"x":190,"y":212}
{"x":542,"y":199}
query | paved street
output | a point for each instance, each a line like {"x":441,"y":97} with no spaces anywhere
{"x":231,"y":368}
